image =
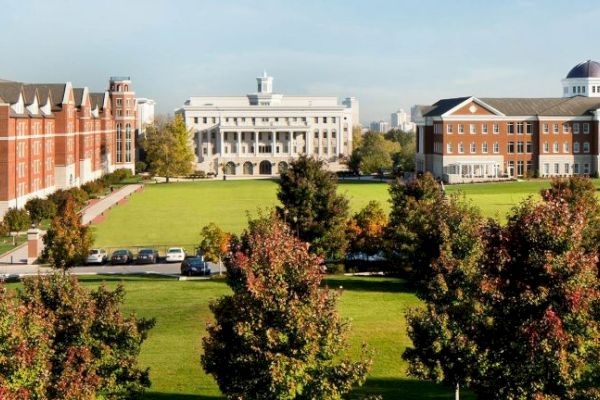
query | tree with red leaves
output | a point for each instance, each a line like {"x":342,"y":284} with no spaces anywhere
{"x":278,"y":336}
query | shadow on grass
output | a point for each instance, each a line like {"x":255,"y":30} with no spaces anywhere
{"x":369,"y":284}
{"x":407,"y":389}
{"x":177,"y":396}
{"x":124,"y":278}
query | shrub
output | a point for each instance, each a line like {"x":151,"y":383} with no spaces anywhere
{"x":40,"y":209}
{"x":16,"y":220}
{"x":140,"y":166}
{"x":79,"y":196}
{"x":61,"y":341}
{"x":94,"y":188}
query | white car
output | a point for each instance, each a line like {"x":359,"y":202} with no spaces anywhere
{"x":97,"y":256}
{"x":175,"y":254}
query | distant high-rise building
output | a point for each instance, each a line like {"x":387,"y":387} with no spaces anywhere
{"x":401,"y":121}
{"x":380,"y":126}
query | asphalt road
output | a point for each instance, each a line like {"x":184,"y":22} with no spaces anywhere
{"x":159,"y":268}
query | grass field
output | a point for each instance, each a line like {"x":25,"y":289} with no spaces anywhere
{"x":376,"y":307}
{"x":173,"y":214}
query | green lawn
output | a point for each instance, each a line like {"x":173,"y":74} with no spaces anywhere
{"x":376,"y":307}
{"x":173,"y":214}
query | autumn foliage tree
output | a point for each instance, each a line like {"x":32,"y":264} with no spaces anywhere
{"x":278,"y":336}
{"x":516,"y":316}
{"x":67,"y":241}
{"x":214,"y":243}
{"x":366,"y":229}
{"x":63,"y":342}
{"x":313,"y":208}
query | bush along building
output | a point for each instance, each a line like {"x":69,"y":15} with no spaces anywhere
{"x":470,"y":139}
{"x":55,"y":136}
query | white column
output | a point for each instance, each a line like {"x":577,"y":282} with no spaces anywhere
{"x":221,"y":134}
{"x":291,"y":142}
{"x":328,"y":131}
{"x":239,"y":143}
{"x":256,"y":143}
{"x":309,"y":134}
{"x":273,"y":142}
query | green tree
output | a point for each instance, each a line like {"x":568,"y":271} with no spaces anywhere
{"x":366,"y":229}
{"x":278,"y":336}
{"x":168,"y":148}
{"x":313,"y":208}
{"x":16,"y":220}
{"x":356,"y":136}
{"x":214,"y":243}
{"x":73,"y":344}
{"x":404,"y":159}
{"x":40,"y":209}
{"x":67,"y":241}
{"x":515,"y":318}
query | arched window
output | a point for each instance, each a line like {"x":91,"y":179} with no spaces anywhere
{"x":119,"y":143}
{"x":125,"y":88}
{"x":128,"y":143}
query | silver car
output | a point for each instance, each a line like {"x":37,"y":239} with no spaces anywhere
{"x":97,"y":256}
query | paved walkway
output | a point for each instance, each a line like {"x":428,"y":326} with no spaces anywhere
{"x":95,"y":210}
{"x":89,"y":214}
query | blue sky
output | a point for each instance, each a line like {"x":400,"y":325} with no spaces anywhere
{"x":389,"y":54}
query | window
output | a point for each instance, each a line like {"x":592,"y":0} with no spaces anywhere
{"x":128,"y":143}
{"x":461,"y":148}
{"x":473,"y":148}
{"x":529,"y":147}
{"x":567,"y":168}
{"x":511,"y":147}
{"x":195,"y":120}
{"x":484,"y":147}
{"x":119,"y":143}
{"x":461,"y":128}
{"x":520,"y":147}
{"x":510,"y":128}
{"x":496,"y":148}
{"x":449,"y":128}
{"x":575,"y":128}
{"x":511,"y":167}
{"x":520,"y":167}
{"x":519,"y":128}
{"x":576,"y":168}
{"x":204,"y":120}
{"x":472,"y":129}
{"x":484,"y":128}
{"x":545,"y":128}
{"x":119,"y":101}
{"x":555,"y":147}
{"x":496,"y":128}
{"x":586,"y":169}
{"x":529,"y":166}
{"x":566,"y":148}
{"x":449,"y":148}
{"x":556,"y":168}
{"x":575,"y":147}
{"x":566,"y":128}
{"x":546,"y":147}
{"x":528,"y":128}
{"x":586,"y":128}
{"x":586,"y":147}
{"x":555,"y":129}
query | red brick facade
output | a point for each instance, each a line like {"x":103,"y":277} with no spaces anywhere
{"x":54,"y":136}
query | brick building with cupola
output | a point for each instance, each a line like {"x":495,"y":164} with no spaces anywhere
{"x":470,"y":139}
{"x":55,"y":136}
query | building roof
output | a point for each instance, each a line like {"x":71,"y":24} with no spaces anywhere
{"x":10,"y":91}
{"x":78,"y":95}
{"x":586,"y":69}
{"x":56,"y":89}
{"x":97,"y":99}
{"x":552,"y":106}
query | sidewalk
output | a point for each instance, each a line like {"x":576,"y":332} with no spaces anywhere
{"x":95,"y":210}
{"x":19,"y":254}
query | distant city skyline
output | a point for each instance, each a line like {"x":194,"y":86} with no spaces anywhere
{"x":389,"y":54}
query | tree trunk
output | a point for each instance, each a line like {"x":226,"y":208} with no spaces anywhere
{"x":457,"y":392}
{"x":167,"y":178}
{"x":219,"y":265}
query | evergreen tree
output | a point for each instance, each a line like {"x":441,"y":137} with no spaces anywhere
{"x":313,"y":208}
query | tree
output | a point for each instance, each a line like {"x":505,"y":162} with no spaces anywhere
{"x":65,"y":342}
{"x":404,"y":159}
{"x":40,"y":209}
{"x":312,"y":207}
{"x":520,"y":319}
{"x":78,"y":195}
{"x":67,"y":241}
{"x":356,"y":136}
{"x":214,"y":243}
{"x":366,"y":229}
{"x":168,"y":148}
{"x":374,"y":154}
{"x":16,"y":220}
{"x":278,"y":336}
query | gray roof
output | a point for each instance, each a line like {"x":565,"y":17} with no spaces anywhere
{"x":56,"y":89}
{"x":10,"y":91}
{"x":97,"y":99}
{"x":78,"y":94}
{"x":586,"y":69}
{"x":552,"y":106}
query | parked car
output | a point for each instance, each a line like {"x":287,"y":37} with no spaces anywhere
{"x":122,"y":256}
{"x":97,"y":256}
{"x":147,"y":256}
{"x":175,"y":254}
{"x":194,"y":266}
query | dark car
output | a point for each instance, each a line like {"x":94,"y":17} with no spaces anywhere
{"x":147,"y":256}
{"x":121,"y":257}
{"x":194,"y":266}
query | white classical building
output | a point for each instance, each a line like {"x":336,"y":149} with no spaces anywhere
{"x":260,"y":133}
